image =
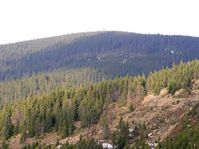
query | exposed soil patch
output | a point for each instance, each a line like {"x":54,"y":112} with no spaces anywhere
{"x":161,"y":115}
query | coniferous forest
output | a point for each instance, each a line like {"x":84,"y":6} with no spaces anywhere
{"x":38,"y":66}
{"x":113,"y":53}
{"x":59,"y":109}
{"x":68,"y":84}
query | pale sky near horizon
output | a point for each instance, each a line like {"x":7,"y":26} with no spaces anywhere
{"x":30,"y":19}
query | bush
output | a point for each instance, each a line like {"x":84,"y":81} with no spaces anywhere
{"x":131,"y":108}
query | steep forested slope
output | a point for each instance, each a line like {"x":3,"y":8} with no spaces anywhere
{"x":60,"y":110}
{"x":113,"y":53}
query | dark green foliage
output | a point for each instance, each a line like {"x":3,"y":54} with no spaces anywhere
{"x":6,"y":128}
{"x":172,"y":87}
{"x":36,"y":145}
{"x":178,"y":77}
{"x":86,"y":144}
{"x":131,"y":108}
{"x":4,"y":145}
{"x":120,"y":138}
{"x":81,"y":144}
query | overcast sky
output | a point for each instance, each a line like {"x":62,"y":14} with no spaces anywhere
{"x":29,"y":19}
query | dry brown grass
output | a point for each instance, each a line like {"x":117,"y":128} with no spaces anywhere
{"x":161,"y":114}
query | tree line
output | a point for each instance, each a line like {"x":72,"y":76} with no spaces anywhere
{"x":38,"y":84}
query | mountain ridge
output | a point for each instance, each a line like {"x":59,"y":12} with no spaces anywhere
{"x":94,"y":32}
{"x":113,"y":53}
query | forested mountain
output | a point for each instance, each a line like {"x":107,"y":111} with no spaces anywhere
{"x":85,"y":84}
{"x":113,"y":53}
{"x":60,"y":110}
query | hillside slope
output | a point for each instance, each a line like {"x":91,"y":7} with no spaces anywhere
{"x":128,"y":111}
{"x":162,"y":116}
{"x":113,"y":53}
